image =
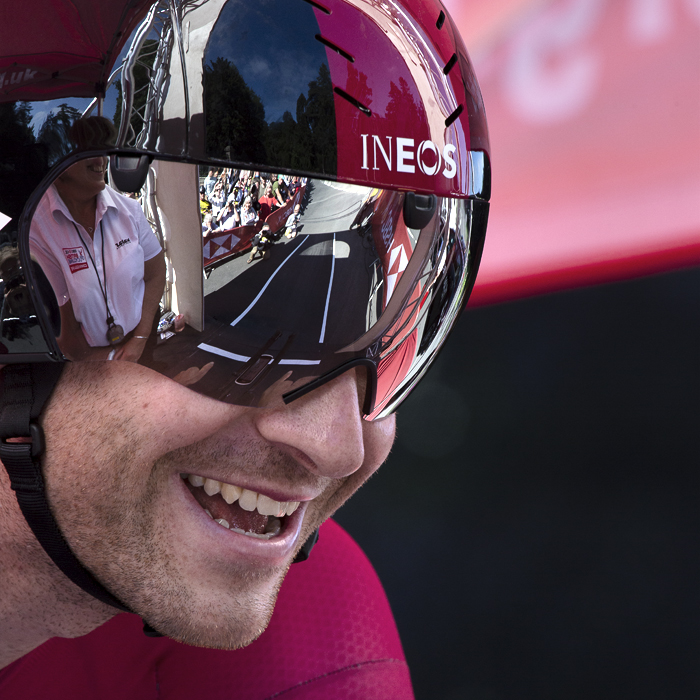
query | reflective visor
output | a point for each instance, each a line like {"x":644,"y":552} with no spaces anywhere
{"x":274,"y":283}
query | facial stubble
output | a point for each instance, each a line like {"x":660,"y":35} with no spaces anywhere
{"x":124,"y":536}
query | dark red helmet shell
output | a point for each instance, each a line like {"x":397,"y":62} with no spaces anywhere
{"x":403,"y":109}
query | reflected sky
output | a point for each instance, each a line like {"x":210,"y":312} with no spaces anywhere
{"x":272,"y":44}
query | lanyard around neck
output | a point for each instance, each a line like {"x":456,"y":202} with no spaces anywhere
{"x":110,"y":318}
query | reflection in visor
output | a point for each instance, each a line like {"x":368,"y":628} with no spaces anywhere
{"x":272,"y":280}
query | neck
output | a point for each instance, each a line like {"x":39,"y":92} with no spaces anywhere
{"x":37,"y":602}
{"x":83,"y":209}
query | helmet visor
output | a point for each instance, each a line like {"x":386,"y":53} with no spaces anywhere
{"x":273,"y":283}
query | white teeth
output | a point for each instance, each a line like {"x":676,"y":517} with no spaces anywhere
{"x":212,"y":487}
{"x":248,"y":500}
{"x":230,"y":493}
{"x":266,"y":506}
{"x":208,"y":512}
{"x":223,"y":523}
{"x":264,"y":536}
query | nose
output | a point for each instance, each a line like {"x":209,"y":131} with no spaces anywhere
{"x":323,"y":429}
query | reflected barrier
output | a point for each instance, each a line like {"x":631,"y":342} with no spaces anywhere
{"x":238,"y":239}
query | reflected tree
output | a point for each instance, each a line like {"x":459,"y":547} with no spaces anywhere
{"x":54,"y":132}
{"x":234,"y":114}
{"x":23,"y":162}
{"x":320,"y":116}
{"x":402,"y":109}
{"x":357,"y":86}
{"x":310,"y":142}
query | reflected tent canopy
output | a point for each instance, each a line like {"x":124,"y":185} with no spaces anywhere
{"x":52,"y":50}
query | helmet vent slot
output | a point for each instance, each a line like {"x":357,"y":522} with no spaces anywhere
{"x":318,"y":6}
{"x":441,"y":20}
{"x":366,"y":110}
{"x":453,"y":117}
{"x":335,"y":48}
{"x":450,"y":64}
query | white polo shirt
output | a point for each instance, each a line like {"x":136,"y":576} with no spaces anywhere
{"x":72,"y":266}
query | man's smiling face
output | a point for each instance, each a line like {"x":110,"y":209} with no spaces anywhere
{"x":120,"y":439}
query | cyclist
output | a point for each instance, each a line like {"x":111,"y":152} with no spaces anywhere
{"x":182,"y":488}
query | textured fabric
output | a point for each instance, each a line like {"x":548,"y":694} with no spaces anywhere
{"x":332,"y":636}
{"x":52,"y":49}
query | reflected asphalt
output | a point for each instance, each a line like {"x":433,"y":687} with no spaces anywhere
{"x":314,"y":286}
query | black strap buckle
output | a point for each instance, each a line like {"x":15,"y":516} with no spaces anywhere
{"x":37,"y":436}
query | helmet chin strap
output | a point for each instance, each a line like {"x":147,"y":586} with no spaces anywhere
{"x":25,"y":390}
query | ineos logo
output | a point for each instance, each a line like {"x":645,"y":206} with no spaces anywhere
{"x":427,"y":156}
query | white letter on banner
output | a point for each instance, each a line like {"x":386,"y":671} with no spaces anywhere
{"x":551,"y":73}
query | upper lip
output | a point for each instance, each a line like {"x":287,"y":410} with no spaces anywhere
{"x":274,"y":492}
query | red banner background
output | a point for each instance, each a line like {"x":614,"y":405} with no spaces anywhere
{"x":594,"y":117}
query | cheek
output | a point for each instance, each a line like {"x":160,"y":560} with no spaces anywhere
{"x":127,"y":411}
{"x":378,"y":438}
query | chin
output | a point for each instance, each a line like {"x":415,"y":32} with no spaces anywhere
{"x":226,"y":621}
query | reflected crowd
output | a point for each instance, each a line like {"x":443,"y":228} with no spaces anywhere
{"x":231,"y":198}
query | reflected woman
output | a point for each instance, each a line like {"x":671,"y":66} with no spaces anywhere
{"x":101,"y":256}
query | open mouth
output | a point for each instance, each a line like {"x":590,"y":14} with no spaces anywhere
{"x":240,"y":510}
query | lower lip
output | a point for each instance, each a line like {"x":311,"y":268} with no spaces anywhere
{"x":276,"y":550}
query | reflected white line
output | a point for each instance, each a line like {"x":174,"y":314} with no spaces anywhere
{"x":243,"y":358}
{"x":223,"y":353}
{"x":299,"y":362}
{"x":272,"y":276}
{"x":328,"y":296}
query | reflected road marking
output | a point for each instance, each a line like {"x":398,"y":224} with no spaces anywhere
{"x":328,"y":296}
{"x":267,"y":284}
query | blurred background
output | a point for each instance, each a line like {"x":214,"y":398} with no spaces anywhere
{"x":535,"y":526}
